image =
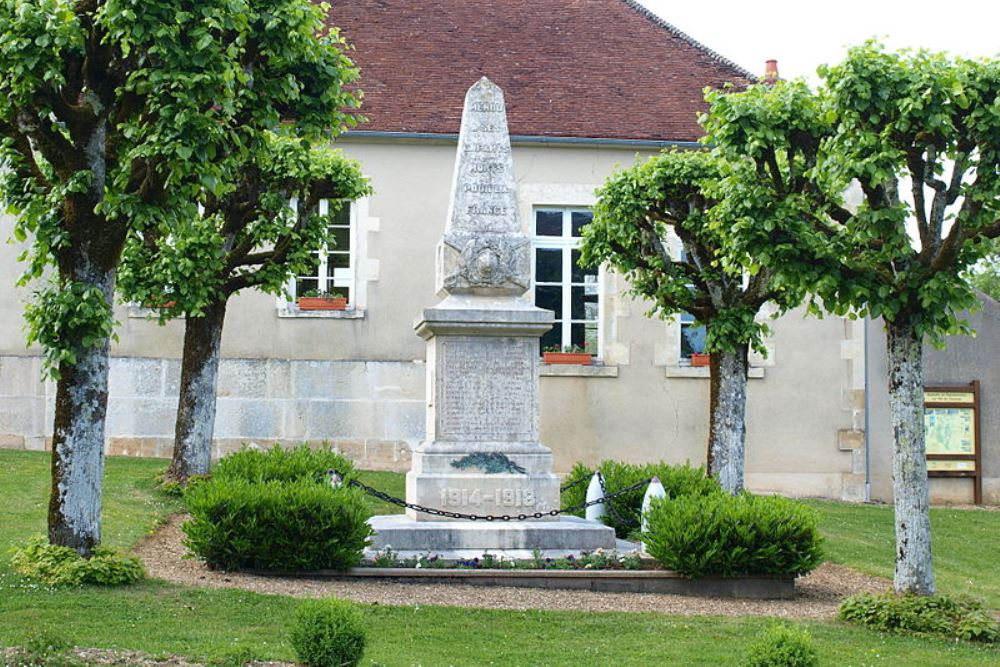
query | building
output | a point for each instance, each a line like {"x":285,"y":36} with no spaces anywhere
{"x":590,"y":84}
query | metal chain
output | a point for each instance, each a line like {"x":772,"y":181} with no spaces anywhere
{"x":622,"y":521}
{"x":375,"y":493}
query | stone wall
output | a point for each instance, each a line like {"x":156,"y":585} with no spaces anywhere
{"x":372,"y":411}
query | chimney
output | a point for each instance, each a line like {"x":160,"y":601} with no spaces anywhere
{"x":771,"y":71}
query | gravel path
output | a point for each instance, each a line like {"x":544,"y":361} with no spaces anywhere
{"x":818,"y":592}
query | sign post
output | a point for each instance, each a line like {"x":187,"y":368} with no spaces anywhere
{"x":951,"y":424}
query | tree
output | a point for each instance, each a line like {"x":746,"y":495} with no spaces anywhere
{"x":251,"y":238}
{"x":294,"y":99}
{"x":919,"y":137}
{"x":102,"y":107}
{"x":679,"y":192}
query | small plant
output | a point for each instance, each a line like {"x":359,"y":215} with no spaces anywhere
{"x":623,"y":512}
{"x":328,"y":633}
{"x":568,"y":349}
{"x":61,"y":566}
{"x":319,"y":294}
{"x":730,"y":536}
{"x":239,"y":657}
{"x":44,"y":649}
{"x":782,"y":646}
{"x":385,"y":558}
{"x":938,"y":615}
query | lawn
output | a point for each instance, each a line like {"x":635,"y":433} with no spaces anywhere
{"x":163,"y":618}
{"x":964,"y":543}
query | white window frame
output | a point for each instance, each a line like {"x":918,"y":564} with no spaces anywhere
{"x":566,"y":243}
{"x":347,"y":277}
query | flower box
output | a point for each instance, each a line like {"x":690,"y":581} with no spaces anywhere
{"x":322,"y":303}
{"x":699,"y":359}
{"x":577,"y":358}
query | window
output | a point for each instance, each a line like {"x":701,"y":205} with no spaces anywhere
{"x":560,"y":284}
{"x":692,"y":335}
{"x":332,"y":273}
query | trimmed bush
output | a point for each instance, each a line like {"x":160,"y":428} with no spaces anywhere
{"x":280,"y":464}
{"x":624,"y":512}
{"x":782,"y":646}
{"x":939,"y":615}
{"x":61,"y":566}
{"x":328,"y":633}
{"x":729,"y":536}
{"x":301,"y":525}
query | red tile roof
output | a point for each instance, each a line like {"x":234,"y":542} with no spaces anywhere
{"x":569,"y":68}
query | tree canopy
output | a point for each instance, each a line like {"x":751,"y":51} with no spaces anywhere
{"x":917,"y":136}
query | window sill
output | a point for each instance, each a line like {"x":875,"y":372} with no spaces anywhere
{"x":574,"y":370}
{"x":292,"y":312}
{"x":703,"y":372}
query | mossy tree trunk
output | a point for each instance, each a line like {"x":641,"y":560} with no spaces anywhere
{"x":727,"y":418}
{"x":196,"y":405}
{"x":914,"y":573}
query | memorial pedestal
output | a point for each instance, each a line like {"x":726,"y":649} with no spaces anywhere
{"x":482,"y":455}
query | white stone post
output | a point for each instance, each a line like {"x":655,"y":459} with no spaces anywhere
{"x":595,"y":491}
{"x":654,"y":490}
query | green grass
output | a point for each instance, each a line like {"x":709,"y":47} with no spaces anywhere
{"x":132,"y":506}
{"x":201,"y":623}
{"x":964,"y":543}
{"x":160,"y":618}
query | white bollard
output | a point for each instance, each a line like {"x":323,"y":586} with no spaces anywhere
{"x":595,"y":491}
{"x":654,"y":490}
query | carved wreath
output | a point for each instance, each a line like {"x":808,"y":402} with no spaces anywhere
{"x":488,"y":262}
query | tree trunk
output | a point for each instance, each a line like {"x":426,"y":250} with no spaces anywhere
{"x":78,"y":433}
{"x":727,"y":418}
{"x":909,"y":462}
{"x":196,"y":403}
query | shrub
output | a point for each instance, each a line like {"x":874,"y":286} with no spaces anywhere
{"x":300,"y":525}
{"x":624,"y":512}
{"x":328,"y":633}
{"x":281,"y":464}
{"x":61,"y":566}
{"x":954,"y":617}
{"x":782,"y":646}
{"x":730,"y":536}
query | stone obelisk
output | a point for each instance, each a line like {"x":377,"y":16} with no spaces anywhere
{"x":481,"y":454}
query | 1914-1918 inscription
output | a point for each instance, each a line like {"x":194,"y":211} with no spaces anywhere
{"x":487,"y":390}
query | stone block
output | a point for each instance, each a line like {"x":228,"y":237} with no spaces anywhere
{"x":21,"y":415}
{"x":252,"y":419}
{"x":326,"y":380}
{"x":850,"y":439}
{"x":279,"y":378}
{"x":397,"y":380}
{"x":383,"y":455}
{"x":333,"y":420}
{"x":137,"y":417}
{"x":36,"y":443}
{"x":11,"y":441}
{"x":566,"y":535}
{"x":295,"y":422}
{"x":20,"y":376}
{"x":401,"y":420}
{"x":172,"y":377}
{"x":134,"y":377}
{"x":243,"y":378}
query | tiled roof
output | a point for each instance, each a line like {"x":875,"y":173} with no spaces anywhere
{"x":569,"y":68}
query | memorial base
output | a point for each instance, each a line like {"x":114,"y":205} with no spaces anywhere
{"x":565,"y":536}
